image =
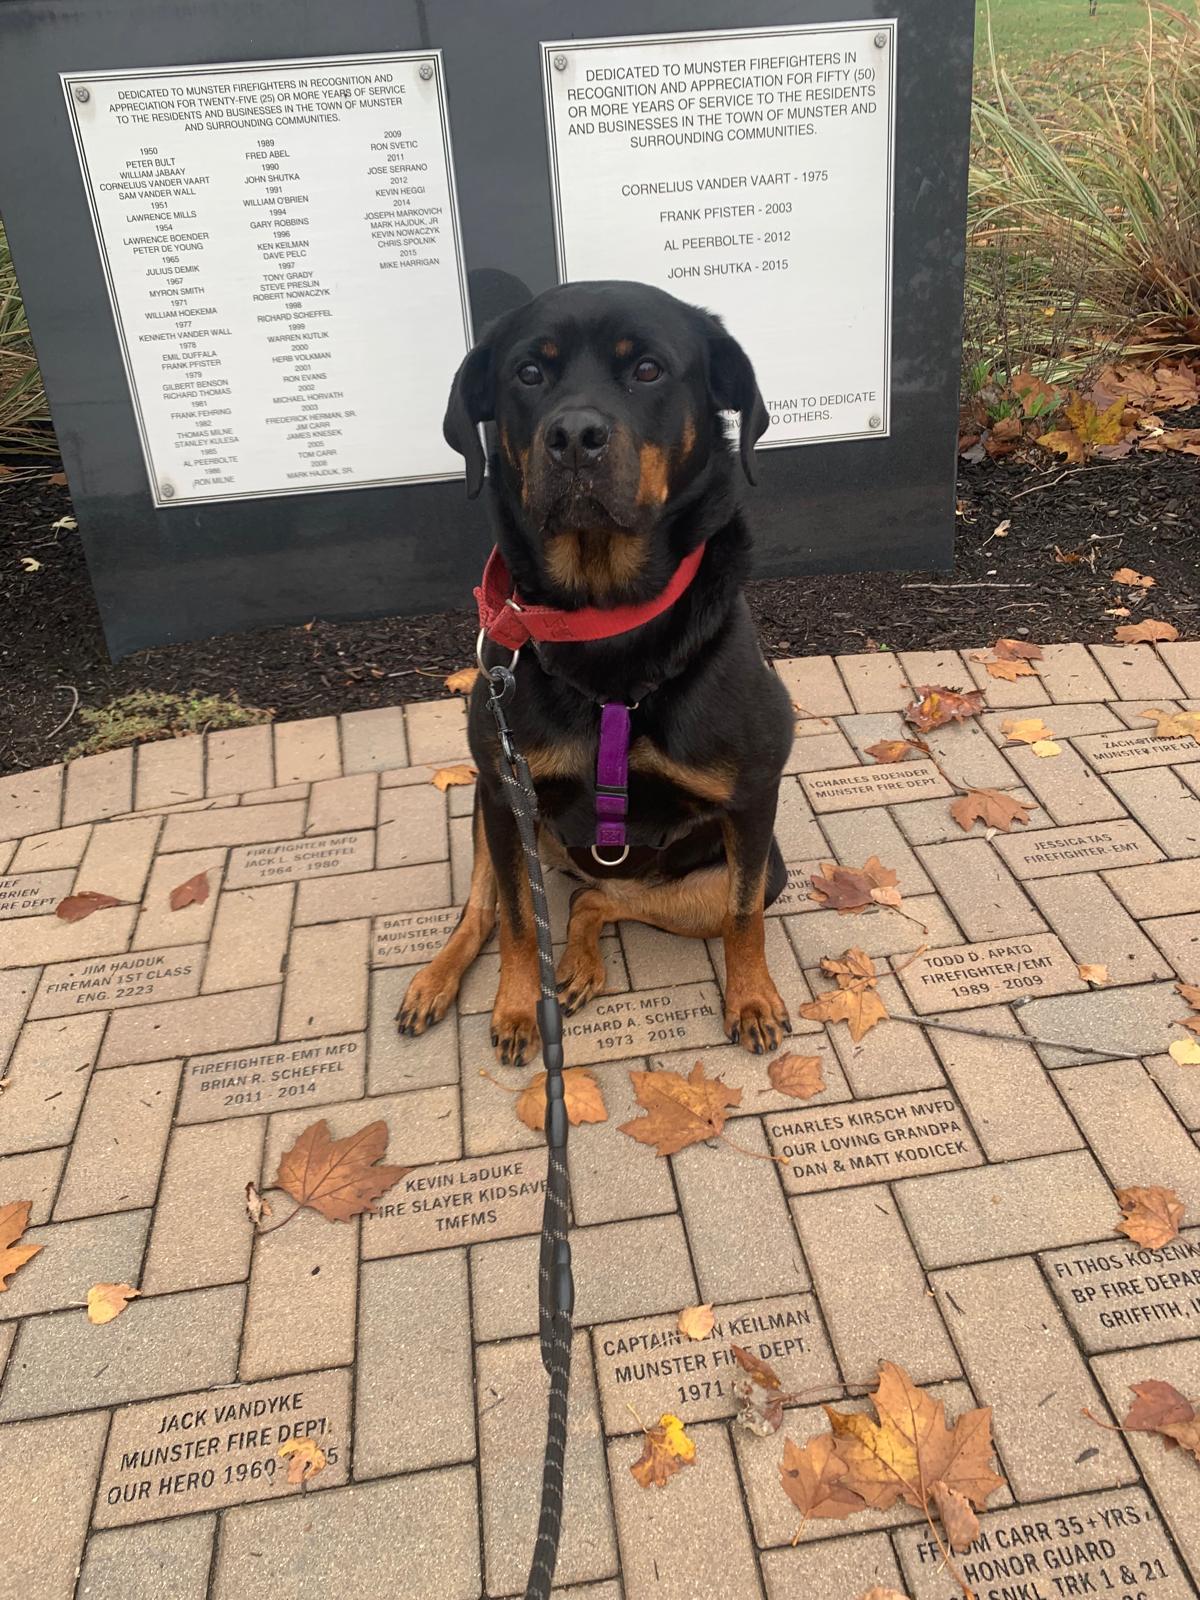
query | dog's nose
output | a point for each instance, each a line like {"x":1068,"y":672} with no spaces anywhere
{"x":577,"y":438}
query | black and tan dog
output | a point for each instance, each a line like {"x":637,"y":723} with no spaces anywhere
{"x":612,"y":467}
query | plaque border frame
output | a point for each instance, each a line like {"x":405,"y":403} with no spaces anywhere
{"x":890,"y":25}
{"x":69,"y":81}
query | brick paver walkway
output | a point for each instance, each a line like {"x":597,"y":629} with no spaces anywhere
{"x":947,"y":1201}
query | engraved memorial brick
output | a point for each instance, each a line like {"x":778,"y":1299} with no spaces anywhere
{"x":988,"y":972}
{"x":615,"y":1027}
{"x":457,"y":1203}
{"x":410,"y":938}
{"x":107,"y":982}
{"x":795,"y":894}
{"x":872,"y":1141}
{"x":285,"y":860}
{"x":33,"y":894}
{"x":890,"y":784}
{"x":1116,"y":1295}
{"x":1085,"y":847}
{"x":1135,"y":747}
{"x":273,"y":1077}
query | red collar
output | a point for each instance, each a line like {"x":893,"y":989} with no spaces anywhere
{"x":507,"y":620}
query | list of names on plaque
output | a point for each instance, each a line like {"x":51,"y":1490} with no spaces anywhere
{"x":749,"y":172}
{"x":282,"y":252}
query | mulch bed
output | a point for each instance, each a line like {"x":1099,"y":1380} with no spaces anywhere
{"x":1143,"y":512}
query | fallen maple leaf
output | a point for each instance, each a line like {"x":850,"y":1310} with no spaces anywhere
{"x":1174,"y":724}
{"x":462,"y":681}
{"x":1037,"y":399}
{"x":1090,"y":428}
{"x":304,"y":1457}
{"x":696,"y":1322}
{"x":679,"y":1111}
{"x":765,"y":1376}
{"x":14,"y":1219}
{"x":1065,"y":441}
{"x":814,"y":1480}
{"x":337,"y":1177}
{"x":1157,"y":1405}
{"x":991,"y":807}
{"x":256,"y":1206}
{"x":446,"y":777}
{"x":935,"y":706}
{"x":847,"y":889}
{"x":1177,"y":386}
{"x":192,"y":893}
{"x":1010,"y":671}
{"x":581,"y":1092}
{"x":667,"y":1449}
{"x":888,"y":750}
{"x":1026,"y":730}
{"x":107,"y":1300}
{"x":1132,"y":579}
{"x":1186,"y":1052}
{"x":1016,"y":650}
{"x":854,"y":1001}
{"x":960,"y":1522}
{"x":1185,"y":1433}
{"x":1152,"y":1215}
{"x":1146,"y":632}
{"x":1185,"y":440}
{"x":77,"y":906}
{"x":799,"y":1076}
{"x":1092,"y":974}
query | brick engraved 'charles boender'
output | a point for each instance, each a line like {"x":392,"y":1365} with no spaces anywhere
{"x":273,"y":1077}
{"x":411,"y":937}
{"x":1111,"y":1543}
{"x":457,"y":1203}
{"x":283,"y":860}
{"x":33,"y":894}
{"x":872,"y":1141}
{"x":652,"y":1367}
{"x":994,"y":970}
{"x":1115,"y":1295}
{"x":107,"y":982}
{"x":849,"y":787}
{"x":1086,"y":847}
{"x":220,"y":1447}
{"x":614,"y":1027}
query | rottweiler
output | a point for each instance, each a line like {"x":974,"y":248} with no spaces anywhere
{"x":612,"y":467}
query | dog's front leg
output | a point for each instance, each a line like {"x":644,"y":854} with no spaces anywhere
{"x":514,"y":1016}
{"x":755,"y":1015}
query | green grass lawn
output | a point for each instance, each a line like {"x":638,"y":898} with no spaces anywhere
{"x":1029,"y":32}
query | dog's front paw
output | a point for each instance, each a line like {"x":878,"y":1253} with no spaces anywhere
{"x":580,"y":976}
{"x":515,"y":1034}
{"x":757,"y":1022}
{"x":430,"y":995}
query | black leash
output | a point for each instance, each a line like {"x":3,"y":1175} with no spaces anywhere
{"x":556,"y":1289}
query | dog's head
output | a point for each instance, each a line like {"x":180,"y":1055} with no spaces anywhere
{"x":606,"y":399}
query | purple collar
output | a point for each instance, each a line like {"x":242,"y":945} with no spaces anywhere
{"x":612,"y":783}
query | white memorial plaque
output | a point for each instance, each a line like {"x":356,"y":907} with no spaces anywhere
{"x":281,"y":245}
{"x":749,"y":172}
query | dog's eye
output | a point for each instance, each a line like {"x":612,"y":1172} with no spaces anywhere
{"x":647,"y":371}
{"x":530,"y":373}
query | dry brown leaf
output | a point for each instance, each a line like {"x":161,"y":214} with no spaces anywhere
{"x":888,"y":750}
{"x":960,"y":1522}
{"x":667,"y":1449}
{"x":1185,"y":1433}
{"x":799,"y":1076}
{"x":446,"y":777}
{"x":107,"y":1300}
{"x":1185,"y":1052}
{"x":1158,"y":1405}
{"x":1177,"y":386}
{"x":1037,"y":397}
{"x":854,"y":1001}
{"x":992,"y":807}
{"x":1174,"y":724}
{"x":462,"y":681}
{"x":337,"y":1177}
{"x":192,"y":893}
{"x":1010,"y":671}
{"x":256,"y":1206}
{"x":58,"y":479}
{"x":1097,"y":974}
{"x":1185,"y":440}
{"x":1065,"y":442}
{"x":1118,"y":611}
{"x":813,"y":1478}
{"x":1152,"y":1215}
{"x":679,"y":1111}
{"x":935,"y":706}
{"x":1132,"y":579}
{"x":77,"y":906}
{"x":766,"y":1377}
{"x":1067,"y":558}
{"x":1146,"y":632}
{"x":581,"y":1092}
{"x":1016,"y":650}
{"x":14,"y":1219}
{"x":847,"y":889}
{"x":1000,"y":531}
{"x":1191,"y":993}
{"x":304,"y":1457}
{"x":696,"y":1322}
{"x":1026,"y":730}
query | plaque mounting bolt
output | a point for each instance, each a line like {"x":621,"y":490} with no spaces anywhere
{"x":880,"y":40}
{"x":425,"y":71}
{"x":560,"y":63}
{"x":875,"y":421}
{"x":167,"y":490}
{"x":82,"y":94}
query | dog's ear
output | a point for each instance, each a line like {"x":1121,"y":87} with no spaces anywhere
{"x":734,"y":387}
{"x":472,"y":401}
